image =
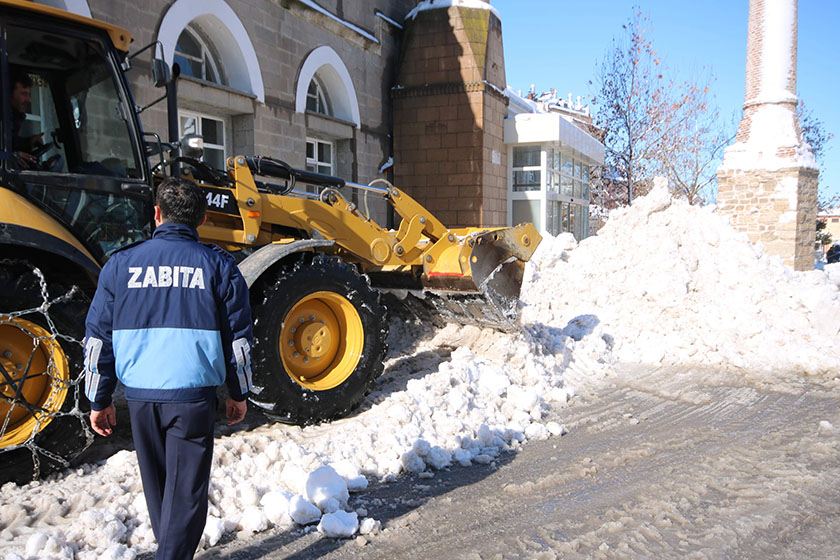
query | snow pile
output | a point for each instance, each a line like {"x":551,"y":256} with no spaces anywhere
{"x":833,"y":272}
{"x":675,"y":284}
{"x":460,"y":396}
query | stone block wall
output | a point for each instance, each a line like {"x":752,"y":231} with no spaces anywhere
{"x":448,"y":116}
{"x":776,"y":208}
{"x":494,"y":161}
{"x":283,"y":33}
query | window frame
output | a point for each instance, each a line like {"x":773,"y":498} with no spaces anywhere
{"x":208,"y":57}
{"x":562,"y":192}
{"x":320,"y":97}
{"x":198,"y":116}
{"x":532,"y":173}
{"x":27,"y":182}
{"x":119,"y":81}
{"x":316,"y":162}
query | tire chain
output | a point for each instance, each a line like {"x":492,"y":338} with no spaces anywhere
{"x":74,"y":384}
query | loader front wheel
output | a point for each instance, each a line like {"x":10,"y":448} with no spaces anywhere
{"x":319,"y":346}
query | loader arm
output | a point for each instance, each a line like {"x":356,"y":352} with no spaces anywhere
{"x":468,"y":266}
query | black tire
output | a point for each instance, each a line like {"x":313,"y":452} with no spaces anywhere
{"x":56,"y":443}
{"x":311,"y":280}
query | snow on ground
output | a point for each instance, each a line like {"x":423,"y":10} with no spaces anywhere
{"x":833,"y":272}
{"x":662,"y":283}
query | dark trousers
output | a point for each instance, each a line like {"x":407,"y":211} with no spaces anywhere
{"x":174,"y":443}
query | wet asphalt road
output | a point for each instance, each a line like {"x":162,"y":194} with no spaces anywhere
{"x":707,"y":472}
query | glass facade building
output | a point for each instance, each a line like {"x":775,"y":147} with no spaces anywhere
{"x":549,"y":161}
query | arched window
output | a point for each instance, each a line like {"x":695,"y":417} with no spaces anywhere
{"x":227,"y":43}
{"x":316,"y":98}
{"x":324,"y":70}
{"x":195,"y":58}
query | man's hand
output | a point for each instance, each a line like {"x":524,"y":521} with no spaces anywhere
{"x":25,"y":160}
{"x":235,"y":411}
{"x":102,"y":420}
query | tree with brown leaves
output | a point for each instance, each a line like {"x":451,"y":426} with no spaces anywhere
{"x":652,"y":124}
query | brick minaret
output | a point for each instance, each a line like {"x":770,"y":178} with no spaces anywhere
{"x":448,"y":111}
{"x":767,"y":182}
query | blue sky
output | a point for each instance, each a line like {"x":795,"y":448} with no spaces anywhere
{"x":559,"y":43}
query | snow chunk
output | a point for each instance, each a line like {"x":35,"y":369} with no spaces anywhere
{"x":214,"y":529}
{"x":253,"y":520}
{"x":438,"y":458}
{"x":302,"y":512}
{"x":340,"y":524}
{"x":36,"y":543}
{"x":412,"y":462}
{"x":275,"y":505}
{"x":356,"y":481}
{"x":325,"y":488}
{"x":118,"y":552}
{"x":370,"y":526}
{"x":103,"y":528}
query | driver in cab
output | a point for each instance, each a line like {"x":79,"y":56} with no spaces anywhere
{"x":23,"y":146}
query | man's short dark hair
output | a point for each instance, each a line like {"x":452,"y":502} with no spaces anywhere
{"x":18,"y":76}
{"x":181,"y":201}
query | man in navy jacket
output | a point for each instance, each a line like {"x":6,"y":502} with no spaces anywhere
{"x":171,"y":320}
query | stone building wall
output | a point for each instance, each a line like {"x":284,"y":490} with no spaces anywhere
{"x":283,"y":34}
{"x":448,"y":115}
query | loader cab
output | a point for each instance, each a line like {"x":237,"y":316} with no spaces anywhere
{"x":90,"y":172}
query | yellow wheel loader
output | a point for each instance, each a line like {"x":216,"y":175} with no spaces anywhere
{"x":318,"y":267}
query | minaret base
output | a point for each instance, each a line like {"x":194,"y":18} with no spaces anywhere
{"x":775,"y":207}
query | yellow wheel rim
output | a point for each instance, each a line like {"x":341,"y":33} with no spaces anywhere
{"x":321,"y":341}
{"x":33,"y":381}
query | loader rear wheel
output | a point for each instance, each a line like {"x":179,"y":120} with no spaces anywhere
{"x":41,"y":327}
{"x":319,"y":340}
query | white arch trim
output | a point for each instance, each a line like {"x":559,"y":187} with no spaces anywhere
{"x":336,"y":80}
{"x":79,"y":7}
{"x":224,"y":27}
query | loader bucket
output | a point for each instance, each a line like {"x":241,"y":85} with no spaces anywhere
{"x":486,"y":291}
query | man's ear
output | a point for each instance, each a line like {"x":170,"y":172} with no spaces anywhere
{"x":204,"y":219}
{"x":158,"y":215}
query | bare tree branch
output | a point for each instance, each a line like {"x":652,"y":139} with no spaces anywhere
{"x":653,"y":125}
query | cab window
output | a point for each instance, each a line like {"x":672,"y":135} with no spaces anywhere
{"x":73,"y":117}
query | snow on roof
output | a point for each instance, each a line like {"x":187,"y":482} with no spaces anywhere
{"x":389,"y":20}
{"x":345,"y":23}
{"x":519,"y":104}
{"x":440,"y":4}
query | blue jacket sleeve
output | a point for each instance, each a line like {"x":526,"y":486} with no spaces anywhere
{"x":100,"y":376}
{"x":237,"y":336}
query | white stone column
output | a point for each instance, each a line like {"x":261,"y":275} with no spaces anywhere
{"x":767,"y":182}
